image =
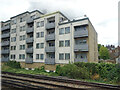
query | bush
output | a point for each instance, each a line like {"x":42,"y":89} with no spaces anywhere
{"x":13,"y":64}
{"x":72,"y":71}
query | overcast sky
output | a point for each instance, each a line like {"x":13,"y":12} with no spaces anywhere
{"x":102,"y":13}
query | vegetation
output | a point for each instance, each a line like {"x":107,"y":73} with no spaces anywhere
{"x":95,"y":72}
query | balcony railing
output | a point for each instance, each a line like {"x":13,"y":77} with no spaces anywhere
{"x":81,"y":60}
{"x":5,"y":43}
{"x":81,"y":47}
{"x":81,"y":33}
{"x":50,"y":49}
{"x":5,"y":28}
{"x":5,"y":35}
{"x":50,"y":37}
{"x":29,"y":60}
{"x":50,"y":25}
{"x":4,"y":59}
{"x":29,"y":30}
{"x":29,"y":50}
{"x":30,"y":20}
{"x":5,"y":51}
{"x":50,"y":61}
{"x":29,"y":40}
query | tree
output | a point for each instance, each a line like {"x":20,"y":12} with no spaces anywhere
{"x":104,"y":53}
{"x":99,"y":45}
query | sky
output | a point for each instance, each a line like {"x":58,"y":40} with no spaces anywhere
{"x":102,"y":13}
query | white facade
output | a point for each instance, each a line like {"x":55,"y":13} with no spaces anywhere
{"x":35,"y":37}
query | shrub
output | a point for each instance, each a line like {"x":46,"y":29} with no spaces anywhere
{"x":13,"y":64}
{"x":57,"y":69}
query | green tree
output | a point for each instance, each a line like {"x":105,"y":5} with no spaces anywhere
{"x":104,"y":53}
{"x":99,"y":45}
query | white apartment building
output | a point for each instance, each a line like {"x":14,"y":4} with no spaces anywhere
{"x":35,"y":39}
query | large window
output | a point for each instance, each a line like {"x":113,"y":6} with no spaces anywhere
{"x":22,"y":28}
{"x":22,"y":47}
{"x":81,"y":41}
{"x":13,"y":39}
{"x":13,"y":56}
{"x":22,"y":37}
{"x":13,"y":47}
{"x":41,"y":56}
{"x":42,"y":23}
{"x":42,"y":34}
{"x":13,"y":30}
{"x":67,"y":30}
{"x":67,"y":43}
{"x":21,"y":56}
{"x":61,"y":56}
{"x":37,"y":56}
{"x":38,"y":35}
{"x":41,"y":45}
{"x":67,"y":56}
{"x":61,"y":31}
{"x":37,"y":45}
{"x":61,"y":43}
{"x":38,"y":24}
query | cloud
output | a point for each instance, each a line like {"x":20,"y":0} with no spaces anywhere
{"x":102,"y":13}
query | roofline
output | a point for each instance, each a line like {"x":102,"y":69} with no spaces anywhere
{"x":26,"y":12}
{"x":52,"y":14}
{"x":36,"y":11}
{"x":5,"y":21}
{"x":19,"y":14}
{"x":74,"y":21}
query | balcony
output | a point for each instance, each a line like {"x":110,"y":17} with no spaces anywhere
{"x":50,"y":61}
{"x":81,"y":47}
{"x":80,"y":33}
{"x":4,"y":59}
{"x":29,"y":60}
{"x":81,"y":60}
{"x":50,"y":49}
{"x":5,"y":28}
{"x":50,"y":25}
{"x":29,"y":30}
{"x":29,"y":50}
{"x":29,"y":40}
{"x":5,"y":51}
{"x":5,"y":43}
{"x":30,"y":20}
{"x":5,"y":35}
{"x":50,"y":37}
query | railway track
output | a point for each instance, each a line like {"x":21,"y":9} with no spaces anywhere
{"x":37,"y":82}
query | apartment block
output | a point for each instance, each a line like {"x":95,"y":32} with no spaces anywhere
{"x":35,"y":39}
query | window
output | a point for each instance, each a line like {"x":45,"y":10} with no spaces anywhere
{"x":37,"y":56}
{"x":42,"y":34}
{"x":13,"y":56}
{"x":37,"y":45}
{"x":61,"y":31}
{"x":22,"y":47}
{"x":61,"y":43}
{"x":67,"y":43}
{"x":67,"y":56}
{"x":38,"y":24}
{"x":67,"y":30}
{"x":37,"y":35}
{"x":42,"y":23}
{"x":42,"y":45}
{"x":13,"y":39}
{"x":21,"y":56}
{"x":22,"y":28}
{"x":13,"y":30}
{"x":13,"y":47}
{"x":81,"y":41}
{"x":14,"y":21}
{"x":61,"y":56}
{"x":22,"y":37}
{"x":41,"y":56}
